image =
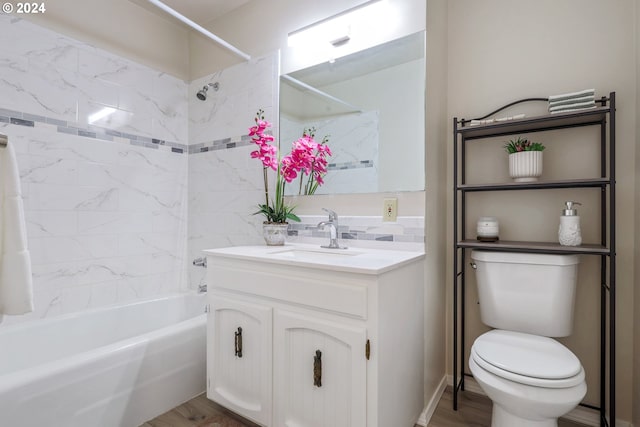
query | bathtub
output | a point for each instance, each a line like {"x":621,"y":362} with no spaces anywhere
{"x":111,"y":367}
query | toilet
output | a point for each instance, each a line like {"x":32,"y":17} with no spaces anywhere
{"x":531,"y":378}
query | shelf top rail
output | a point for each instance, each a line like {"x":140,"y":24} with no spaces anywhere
{"x":584,"y":117}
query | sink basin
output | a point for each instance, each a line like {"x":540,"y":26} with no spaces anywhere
{"x":360,"y":260}
{"x":317,"y":255}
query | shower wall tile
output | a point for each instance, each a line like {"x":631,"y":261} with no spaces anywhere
{"x":229,"y":112}
{"x":47,"y":74}
{"x":225,"y":184}
{"x":106,"y":219}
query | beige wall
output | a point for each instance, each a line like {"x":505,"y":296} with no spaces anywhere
{"x":636,"y":322}
{"x":123,"y":28}
{"x":500,"y":51}
{"x":437,"y":132}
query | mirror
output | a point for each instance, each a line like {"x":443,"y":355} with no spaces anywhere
{"x":370,"y":104}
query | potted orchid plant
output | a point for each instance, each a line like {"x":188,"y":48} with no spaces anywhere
{"x":525,"y":159}
{"x":307,"y":157}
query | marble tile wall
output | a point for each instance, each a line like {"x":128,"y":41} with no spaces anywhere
{"x":225,"y":183}
{"x":104,"y":195}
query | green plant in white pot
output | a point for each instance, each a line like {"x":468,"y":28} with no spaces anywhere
{"x":525,"y":159}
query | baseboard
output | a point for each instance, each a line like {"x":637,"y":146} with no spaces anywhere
{"x":428,"y":411}
{"x":586,"y":416}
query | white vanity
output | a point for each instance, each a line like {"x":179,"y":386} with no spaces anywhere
{"x":309,"y":337}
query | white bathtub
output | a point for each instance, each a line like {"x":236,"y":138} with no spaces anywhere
{"x":113,"y":367}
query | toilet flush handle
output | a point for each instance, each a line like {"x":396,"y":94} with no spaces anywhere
{"x":473,"y":265}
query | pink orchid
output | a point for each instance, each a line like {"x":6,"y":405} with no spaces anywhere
{"x":307,"y":157}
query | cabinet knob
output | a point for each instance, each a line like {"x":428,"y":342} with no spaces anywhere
{"x":238,"y":342}
{"x":317,"y":369}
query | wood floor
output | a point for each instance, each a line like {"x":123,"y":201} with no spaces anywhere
{"x":474,"y":410}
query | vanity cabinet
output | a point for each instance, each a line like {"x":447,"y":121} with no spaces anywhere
{"x":335,"y":397}
{"x":327,"y":343}
{"x":240,"y":365}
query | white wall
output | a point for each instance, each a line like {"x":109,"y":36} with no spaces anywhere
{"x":500,"y":51}
{"x":104,"y":202}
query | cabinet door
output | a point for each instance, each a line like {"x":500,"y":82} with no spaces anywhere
{"x":239,"y":357}
{"x":338,"y":397}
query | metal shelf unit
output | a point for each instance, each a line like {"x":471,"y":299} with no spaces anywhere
{"x":602,"y":116}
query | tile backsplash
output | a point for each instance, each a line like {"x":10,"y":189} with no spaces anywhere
{"x":406,"y":233}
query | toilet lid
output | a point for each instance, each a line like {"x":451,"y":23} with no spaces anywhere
{"x":527,"y":355}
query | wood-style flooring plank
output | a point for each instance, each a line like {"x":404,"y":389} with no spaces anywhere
{"x":474,"y":410}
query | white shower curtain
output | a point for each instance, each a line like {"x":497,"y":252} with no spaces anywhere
{"x":16,"y":288}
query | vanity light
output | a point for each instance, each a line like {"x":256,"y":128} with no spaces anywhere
{"x":338,"y":30}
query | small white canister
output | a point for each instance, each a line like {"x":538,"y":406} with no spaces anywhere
{"x":487,"y":229}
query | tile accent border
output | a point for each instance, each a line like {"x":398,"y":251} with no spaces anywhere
{"x":105,"y":134}
{"x":350,"y":165}
{"x":220,"y":144}
{"x":245,"y":140}
{"x":89,"y":131}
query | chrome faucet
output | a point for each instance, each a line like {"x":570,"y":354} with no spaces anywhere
{"x":333,"y":230}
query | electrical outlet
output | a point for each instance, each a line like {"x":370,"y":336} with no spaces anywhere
{"x":390,"y":210}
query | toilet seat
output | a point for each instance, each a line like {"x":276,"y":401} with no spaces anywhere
{"x":527,"y":359}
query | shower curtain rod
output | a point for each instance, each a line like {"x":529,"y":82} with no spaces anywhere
{"x":200,"y":29}
{"x":320,"y":93}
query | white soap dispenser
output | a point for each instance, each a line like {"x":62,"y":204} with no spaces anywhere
{"x":569,"y":230}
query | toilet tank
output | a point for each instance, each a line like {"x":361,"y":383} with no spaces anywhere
{"x":530,"y":293}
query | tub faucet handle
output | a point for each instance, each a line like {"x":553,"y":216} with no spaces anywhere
{"x":200,"y":262}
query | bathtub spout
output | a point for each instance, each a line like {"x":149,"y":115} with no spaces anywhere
{"x":202,"y":289}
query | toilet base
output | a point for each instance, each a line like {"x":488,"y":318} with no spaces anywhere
{"x":501,"y":418}
{"x":534,"y":406}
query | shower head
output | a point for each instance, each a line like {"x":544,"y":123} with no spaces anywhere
{"x":202,"y":93}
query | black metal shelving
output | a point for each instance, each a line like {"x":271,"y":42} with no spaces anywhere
{"x":602,"y":116}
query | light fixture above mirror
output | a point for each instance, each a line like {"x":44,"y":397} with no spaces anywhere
{"x":338,"y":30}
{"x":360,"y":27}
